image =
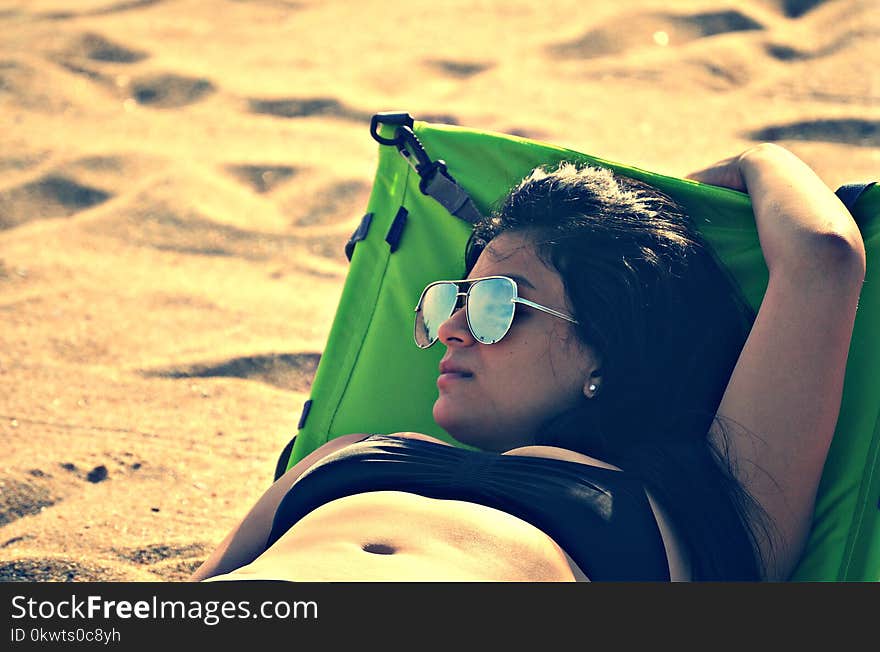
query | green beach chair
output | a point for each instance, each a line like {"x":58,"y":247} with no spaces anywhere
{"x":432,"y":181}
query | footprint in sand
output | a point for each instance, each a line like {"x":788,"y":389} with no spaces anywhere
{"x":98,"y":48}
{"x":68,"y":188}
{"x":851,"y":131}
{"x":169,"y":91}
{"x":290,"y":371}
{"x":51,"y":196}
{"x":94,"y":47}
{"x":631,"y":31}
{"x":460,"y":69}
{"x":305,"y":108}
{"x":262,"y":178}
{"x":85,"y":50}
{"x":784,"y":52}
{"x":20,"y":497}
{"x":795,"y":8}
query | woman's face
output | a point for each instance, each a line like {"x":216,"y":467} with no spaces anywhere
{"x":499,"y":394}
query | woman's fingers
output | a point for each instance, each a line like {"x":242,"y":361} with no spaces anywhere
{"x":725,"y":173}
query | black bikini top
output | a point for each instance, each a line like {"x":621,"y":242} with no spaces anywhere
{"x":600,"y":517}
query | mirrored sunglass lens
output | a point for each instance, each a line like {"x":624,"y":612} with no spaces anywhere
{"x":490,"y":309}
{"x":437,"y":305}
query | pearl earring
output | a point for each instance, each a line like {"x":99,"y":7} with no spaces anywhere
{"x":593,"y":388}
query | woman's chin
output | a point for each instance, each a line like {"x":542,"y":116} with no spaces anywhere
{"x":456,"y":423}
{"x":488,"y":434}
{"x":452,"y":419}
{"x":445,"y":415}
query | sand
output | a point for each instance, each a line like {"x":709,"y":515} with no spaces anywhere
{"x":178,"y":179}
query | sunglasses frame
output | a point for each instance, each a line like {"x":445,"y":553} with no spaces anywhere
{"x":471,"y":282}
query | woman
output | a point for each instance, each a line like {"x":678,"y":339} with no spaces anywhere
{"x":608,"y":448}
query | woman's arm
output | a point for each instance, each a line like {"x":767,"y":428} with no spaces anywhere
{"x":781,"y":405}
{"x":247,"y":540}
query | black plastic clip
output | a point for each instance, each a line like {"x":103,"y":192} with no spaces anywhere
{"x":307,"y":407}
{"x":359,"y":234}
{"x":396,"y":230}
{"x":399,"y":118}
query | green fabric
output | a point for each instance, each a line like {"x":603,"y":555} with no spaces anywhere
{"x":372,"y":377}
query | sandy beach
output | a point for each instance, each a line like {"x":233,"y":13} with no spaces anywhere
{"x":178,"y":179}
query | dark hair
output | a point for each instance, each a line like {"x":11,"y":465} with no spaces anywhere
{"x":669,"y":324}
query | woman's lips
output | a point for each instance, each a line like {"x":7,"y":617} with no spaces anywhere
{"x":451,"y":373}
{"x":451,"y":378}
{"x":448,"y":366}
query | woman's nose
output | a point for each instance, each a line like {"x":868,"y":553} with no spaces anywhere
{"x":455,"y":329}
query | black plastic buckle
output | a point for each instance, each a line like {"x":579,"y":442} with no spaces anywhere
{"x":399,"y":118}
{"x":360,"y":233}
{"x":395,"y":232}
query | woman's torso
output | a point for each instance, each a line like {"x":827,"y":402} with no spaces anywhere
{"x":389,"y":535}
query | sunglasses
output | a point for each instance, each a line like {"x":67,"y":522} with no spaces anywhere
{"x":489,"y":304}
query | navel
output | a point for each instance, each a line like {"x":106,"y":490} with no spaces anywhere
{"x":378,"y":548}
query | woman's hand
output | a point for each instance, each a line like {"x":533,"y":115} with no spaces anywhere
{"x":725,"y":173}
